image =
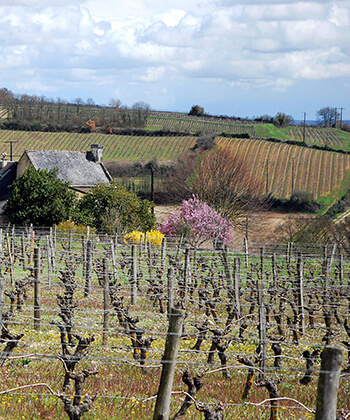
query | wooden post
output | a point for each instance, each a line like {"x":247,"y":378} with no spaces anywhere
{"x":49,"y":261}
{"x":149,"y":259}
{"x":237,"y":279}
{"x":88,"y":269}
{"x":70,"y":241}
{"x":53,"y":247}
{"x":300,"y":289}
{"x":328,"y":383}
{"x":106,"y":301}
{"x":186,"y":273}
{"x":274,"y":271}
{"x":224,"y":258}
{"x":23,"y":251}
{"x":114,"y":261}
{"x":262,"y":327}
{"x":262,"y":263}
{"x":341,"y":269}
{"x":163,"y":254}
{"x":133,"y":280}
{"x":37,"y":297}
{"x":246,"y":252}
{"x":325,"y":269}
{"x":32,"y":243}
{"x":162,"y":408}
{"x":9,"y":249}
{"x":2,"y":287}
{"x":170,"y":289}
{"x":83,"y":250}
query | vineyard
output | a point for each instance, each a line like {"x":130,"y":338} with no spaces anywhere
{"x":197,"y":126}
{"x":116,"y":147}
{"x":283,"y":168}
{"x":328,"y":137}
{"x":331,"y":138}
{"x":86,"y":318}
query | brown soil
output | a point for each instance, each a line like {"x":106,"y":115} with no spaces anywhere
{"x":263,"y":227}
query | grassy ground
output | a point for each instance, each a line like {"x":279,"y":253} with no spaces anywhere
{"x":125,"y":390}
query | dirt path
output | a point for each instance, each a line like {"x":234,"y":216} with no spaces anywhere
{"x":263,"y":227}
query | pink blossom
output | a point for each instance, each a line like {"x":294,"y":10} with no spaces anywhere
{"x":197,"y":219}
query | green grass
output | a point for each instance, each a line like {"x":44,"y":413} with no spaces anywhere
{"x":271,"y":131}
{"x":124,"y":389}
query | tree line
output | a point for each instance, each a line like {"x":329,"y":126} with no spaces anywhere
{"x":39,"y":113}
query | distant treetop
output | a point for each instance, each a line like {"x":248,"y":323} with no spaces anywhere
{"x":196,"y":110}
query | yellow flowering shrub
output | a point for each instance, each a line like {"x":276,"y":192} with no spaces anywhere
{"x":153,"y":236}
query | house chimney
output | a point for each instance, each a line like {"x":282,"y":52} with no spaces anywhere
{"x":4,"y":161}
{"x":97,"y":152}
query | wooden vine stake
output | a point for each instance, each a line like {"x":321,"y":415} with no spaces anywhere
{"x":162,"y":408}
{"x":170,"y":289}
{"x":262,"y":328}
{"x":106,"y":302}
{"x":237,"y":279}
{"x":133,"y":279}
{"x":37,"y":297}
{"x":300,"y":289}
{"x":88,"y":267}
{"x":328,"y":383}
{"x":2,"y":287}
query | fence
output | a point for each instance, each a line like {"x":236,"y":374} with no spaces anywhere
{"x":255,"y":321}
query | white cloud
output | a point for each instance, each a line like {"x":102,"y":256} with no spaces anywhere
{"x":246,"y":44}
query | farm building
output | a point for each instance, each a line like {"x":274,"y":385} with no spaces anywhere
{"x":82,"y":170}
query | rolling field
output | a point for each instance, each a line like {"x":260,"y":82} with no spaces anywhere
{"x":190,"y":125}
{"x":320,"y":172}
{"x":324,"y":137}
{"x":116,"y":147}
{"x":316,"y":171}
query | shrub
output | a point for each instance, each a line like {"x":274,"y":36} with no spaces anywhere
{"x":197,"y":111}
{"x":155,"y":237}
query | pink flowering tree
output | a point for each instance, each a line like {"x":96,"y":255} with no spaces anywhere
{"x":198,"y":222}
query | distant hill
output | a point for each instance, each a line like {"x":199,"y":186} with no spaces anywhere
{"x":283,"y":167}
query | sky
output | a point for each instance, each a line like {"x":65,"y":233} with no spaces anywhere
{"x":240,"y":58}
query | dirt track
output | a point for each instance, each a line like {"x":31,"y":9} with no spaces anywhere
{"x":263,"y":227}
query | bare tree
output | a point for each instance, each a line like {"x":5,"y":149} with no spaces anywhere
{"x":226,"y":183}
{"x":327,"y":116}
{"x":115,"y":103}
{"x":220,"y":179}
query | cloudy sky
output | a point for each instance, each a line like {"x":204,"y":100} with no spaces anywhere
{"x":234,"y":57}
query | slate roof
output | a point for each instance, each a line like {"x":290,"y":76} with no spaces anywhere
{"x":73,"y":167}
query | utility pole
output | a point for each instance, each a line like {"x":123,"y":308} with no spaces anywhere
{"x":341,"y":117}
{"x":11,"y":147}
{"x":335,"y":116}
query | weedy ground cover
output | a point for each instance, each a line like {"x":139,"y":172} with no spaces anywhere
{"x":217,"y":342}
